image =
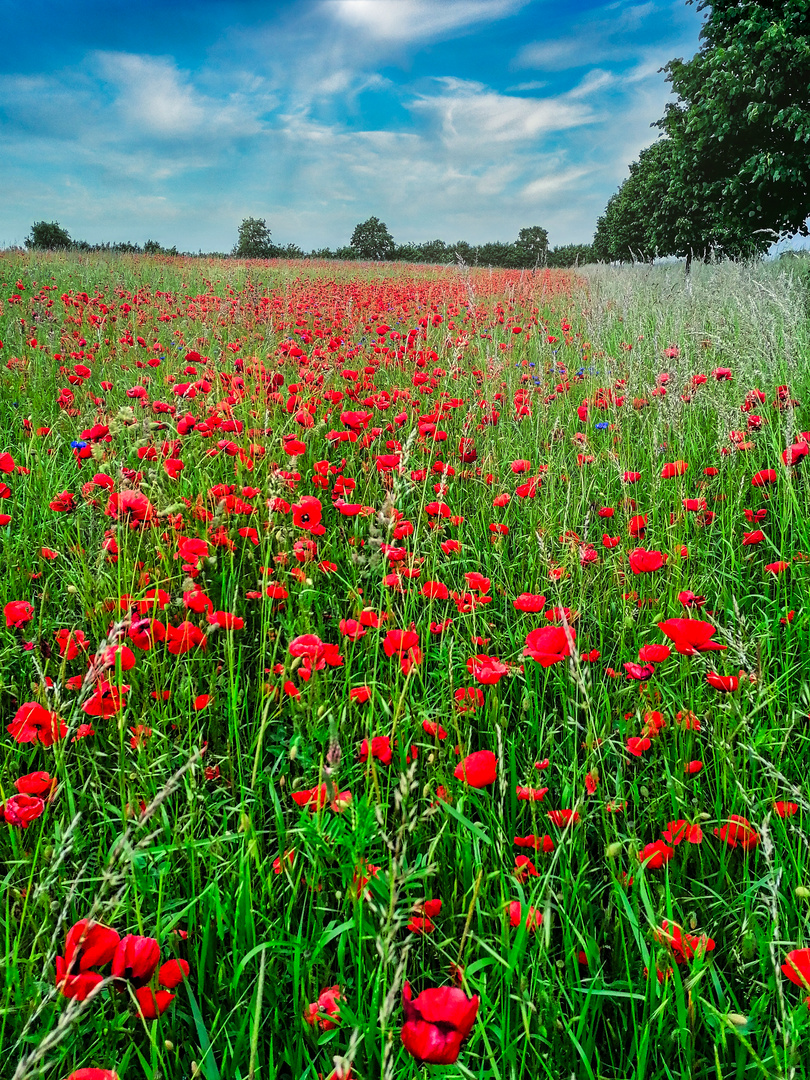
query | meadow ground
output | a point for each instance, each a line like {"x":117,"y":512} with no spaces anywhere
{"x":375,"y":630}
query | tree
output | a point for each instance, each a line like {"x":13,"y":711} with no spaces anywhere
{"x":48,"y":236}
{"x":254,"y":240}
{"x":644,"y":219}
{"x":532,"y":246}
{"x":566,"y":255}
{"x":372,"y":240}
{"x":741,"y":127}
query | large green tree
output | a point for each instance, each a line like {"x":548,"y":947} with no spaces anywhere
{"x":531,"y":246}
{"x":372,"y":240}
{"x":741,"y":125}
{"x":48,"y":235}
{"x":254,"y":240}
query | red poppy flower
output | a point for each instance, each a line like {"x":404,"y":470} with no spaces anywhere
{"x":185,"y":637}
{"x":646,"y":562}
{"x":360,"y":694}
{"x":738,"y":832}
{"x":636,"y":745}
{"x":529,"y":602}
{"x":152,"y":1003}
{"x":488,"y":670}
{"x":380,"y":749}
{"x":530,"y":794}
{"x":539,"y":843}
{"x":550,"y":644}
{"x":763,"y":477}
{"x":325,"y":1012}
{"x":674,"y":468}
{"x":658,"y":853}
{"x":533,"y":920}
{"x":690,"y":636}
{"x":18,"y":613}
{"x":684,"y":946}
{"x":561,"y":818}
{"x":653,"y":654}
{"x":637,"y":525}
{"x":436,"y":731}
{"x":777,"y":567}
{"x":797,"y":967}
{"x":678,"y":831}
{"x":106,"y":700}
{"x":436,"y":1023}
{"x":693,"y":767}
{"x":783,"y":809}
{"x":307,"y":515}
{"x":477,"y":769}
{"x":20,"y":810}
{"x":87,"y":945}
{"x":727,"y":683}
{"x":136,"y":959}
{"x":36,"y":783}
{"x":32,"y":723}
{"x":92,"y":1074}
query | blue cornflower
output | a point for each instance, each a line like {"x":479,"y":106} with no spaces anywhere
{"x":77,"y":444}
{"x":603,"y":425}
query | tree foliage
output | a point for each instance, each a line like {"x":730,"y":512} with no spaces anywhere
{"x":254,"y":240}
{"x":741,"y":126}
{"x":48,"y":236}
{"x":733,"y":170}
{"x":372,"y":240}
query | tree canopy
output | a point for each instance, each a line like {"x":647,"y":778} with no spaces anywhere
{"x":254,"y":240}
{"x":372,"y":240}
{"x":48,"y":236}
{"x":732,"y":173}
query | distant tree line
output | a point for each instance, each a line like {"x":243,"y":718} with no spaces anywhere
{"x":731,"y":172}
{"x":370,"y":240}
{"x":50,"y":236}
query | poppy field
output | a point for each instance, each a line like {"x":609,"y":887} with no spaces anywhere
{"x":404,"y":671}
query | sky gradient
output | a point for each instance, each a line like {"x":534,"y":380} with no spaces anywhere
{"x":451,"y":119}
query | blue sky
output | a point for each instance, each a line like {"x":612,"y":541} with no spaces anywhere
{"x":458,"y":119}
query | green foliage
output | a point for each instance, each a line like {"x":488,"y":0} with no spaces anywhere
{"x":48,"y":236}
{"x":532,"y":246}
{"x":741,"y":126}
{"x":567,"y":255}
{"x":254,"y":240}
{"x":372,"y":240}
{"x":733,"y":172}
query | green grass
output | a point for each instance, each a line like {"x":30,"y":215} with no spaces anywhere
{"x":262,"y":945}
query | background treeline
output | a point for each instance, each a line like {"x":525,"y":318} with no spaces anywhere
{"x":370,"y":240}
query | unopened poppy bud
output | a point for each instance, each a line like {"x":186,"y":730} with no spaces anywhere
{"x":309,"y":582}
{"x":612,"y":850}
{"x":645,"y":791}
{"x":322,"y":711}
{"x":526,"y":704}
{"x":168,"y":1044}
{"x":47,"y":854}
{"x":704,"y":816}
{"x":294,"y":752}
{"x":72,"y":590}
{"x":802,"y":892}
{"x":737,"y":1019}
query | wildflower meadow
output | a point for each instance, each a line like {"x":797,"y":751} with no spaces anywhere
{"x":404,"y":670}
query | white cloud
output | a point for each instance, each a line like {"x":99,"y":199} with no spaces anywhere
{"x":471,"y":118}
{"x":553,"y":183}
{"x":155,"y":98}
{"x":593,"y":81}
{"x":398,"y":21}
